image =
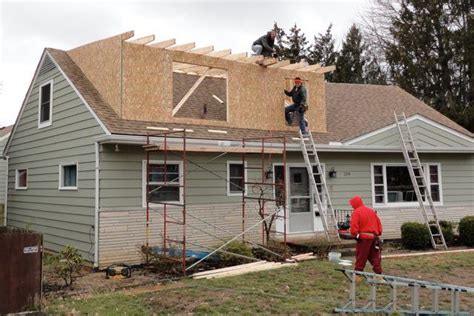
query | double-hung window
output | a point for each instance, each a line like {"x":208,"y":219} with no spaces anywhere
{"x":164,"y":181}
{"x":236,"y":176}
{"x":21,"y":179}
{"x":392,"y":186}
{"x":45,"y":107}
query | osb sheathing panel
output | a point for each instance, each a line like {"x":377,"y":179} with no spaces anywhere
{"x":255,"y":93}
{"x":100,"y":62}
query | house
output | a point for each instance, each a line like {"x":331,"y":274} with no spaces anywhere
{"x":4,"y":134}
{"x":78,"y":166}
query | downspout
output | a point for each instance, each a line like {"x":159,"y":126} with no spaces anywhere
{"x":5,"y":205}
{"x":97,"y":206}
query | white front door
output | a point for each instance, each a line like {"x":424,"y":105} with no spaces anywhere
{"x":299,"y":201}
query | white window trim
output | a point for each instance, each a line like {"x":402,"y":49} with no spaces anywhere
{"x":61,"y":186}
{"x":168,"y":162}
{"x":234,"y":162}
{"x":17,"y":187}
{"x":403,"y":204}
{"x":50,"y":121}
{"x":287,"y":182}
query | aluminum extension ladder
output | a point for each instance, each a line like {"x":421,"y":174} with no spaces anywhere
{"x":321,"y":196}
{"x":394,"y":283}
{"x":418,"y":179}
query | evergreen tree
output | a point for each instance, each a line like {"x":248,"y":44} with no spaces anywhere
{"x":322,"y":51}
{"x":350,"y":62}
{"x":296,"y":45}
{"x":279,"y":45}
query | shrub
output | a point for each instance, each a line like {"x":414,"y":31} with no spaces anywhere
{"x":466,"y":231}
{"x":67,"y":264}
{"x":237,"y":247}
{"x":274,"y":246}
{"x":321,"y":247}
{"x":415,"y":236}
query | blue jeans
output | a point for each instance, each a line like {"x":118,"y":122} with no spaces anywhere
{"x":291,"y":109}
{"x":257,"y":49}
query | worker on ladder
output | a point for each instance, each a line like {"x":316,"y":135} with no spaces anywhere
{"x":264,"y":45}
{"x":366,"y":229}
{"x":299,"y":96}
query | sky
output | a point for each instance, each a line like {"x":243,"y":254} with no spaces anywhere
{"x":27,"y":27}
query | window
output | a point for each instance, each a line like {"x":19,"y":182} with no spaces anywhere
{"x":391,"y":184}
{"x":21,"y":179}
{"x":236,"y":176}
{"x":164,"y":181}
{"x":45,"y":104}
{"x":68,"y":176}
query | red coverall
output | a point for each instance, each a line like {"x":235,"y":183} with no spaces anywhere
{"x":366,"y":225}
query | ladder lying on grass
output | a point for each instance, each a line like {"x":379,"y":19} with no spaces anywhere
{"x":418,"y":179}
{"x":320,"y":191}
{"x":394,"y":283}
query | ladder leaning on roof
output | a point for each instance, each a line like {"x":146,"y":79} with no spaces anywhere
{"x":319,"y":188}
{"x":418,"y":179}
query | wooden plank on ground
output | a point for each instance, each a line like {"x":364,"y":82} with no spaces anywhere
{"x":240,"y":266}
{"x":259,"y":268}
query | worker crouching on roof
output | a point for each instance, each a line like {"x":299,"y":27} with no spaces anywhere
{"x":366,"y":229}
{"x":264,"y":45}
{"x":298,"y":95}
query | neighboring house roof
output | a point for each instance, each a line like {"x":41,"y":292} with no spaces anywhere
{"x":352,"y":110}
{"x":5,"y":131}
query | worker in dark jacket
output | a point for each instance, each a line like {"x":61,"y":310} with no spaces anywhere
{"x":366,"y":229}
{"x":264,"y":45}
{"x":298,"y":95}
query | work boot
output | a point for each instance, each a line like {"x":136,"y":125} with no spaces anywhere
{"x":359,"y":279}
{"x":379,"y":279}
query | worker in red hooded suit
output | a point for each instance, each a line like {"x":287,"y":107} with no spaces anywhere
{"x":366,"y":229}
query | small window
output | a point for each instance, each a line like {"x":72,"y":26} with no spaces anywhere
{"x":21,"y":179}
{"x":236,"y":178}
{"x":68,"y":177}
{"x":164,"y":182}
{"x":45,"y":104}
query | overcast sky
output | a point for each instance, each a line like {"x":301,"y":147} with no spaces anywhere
{"x":27,"y":27}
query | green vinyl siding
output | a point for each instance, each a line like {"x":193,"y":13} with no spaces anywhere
{"x":424,"y":134}
{"x":65,"y":217}
{"x":3,"y":178}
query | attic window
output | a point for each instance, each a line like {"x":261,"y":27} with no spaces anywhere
{"x":199,"y":92}
{"x":45,"y":106}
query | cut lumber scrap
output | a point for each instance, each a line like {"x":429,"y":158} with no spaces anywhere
{"x":240,"y":266}
{"x":258,"y":268}
{"x":279,"y":64}
{"x":214,"y":149}
{"x":311,"y":68}
{"x":183,"y":47}
{"x":304,"y":257}
{"x":326,"y":69}
{"x":164,"y":44}
{"x":269,"y":61}
{"x":143,"y":40}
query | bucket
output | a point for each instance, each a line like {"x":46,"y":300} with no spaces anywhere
{"x":334,"y":256}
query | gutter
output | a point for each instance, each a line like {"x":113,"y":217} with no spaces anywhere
{"x":290,"y":146}
{"x":96,"y":204}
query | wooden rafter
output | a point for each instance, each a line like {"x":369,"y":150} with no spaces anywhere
{"x":326,"y":69}
{"x":143,"y":40}
{"x":250,"y":59}
{"x":183,"y":47}
{"x":295,"y":66}
{"x":279,"y":64}
{"x":190,"y":92}
{"x":164,"y":44}
{"x":311,"y":68}
{"x":202,"y":50}
{"x":269,"y":61}
{"x":236,"y":56}
{"x":220,"y":53}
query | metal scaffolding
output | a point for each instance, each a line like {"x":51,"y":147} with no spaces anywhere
{"x":277,"y":188}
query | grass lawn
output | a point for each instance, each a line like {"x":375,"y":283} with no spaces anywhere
{"x":312,"y":286}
